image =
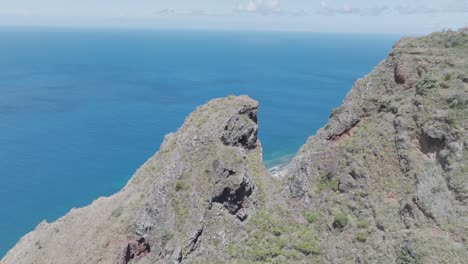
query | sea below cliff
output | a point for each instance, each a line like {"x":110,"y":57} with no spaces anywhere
{"x":80,"y":110}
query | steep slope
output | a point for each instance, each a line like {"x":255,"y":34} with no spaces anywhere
{"x":197,"y":190}
{"x":387,"y":176}
{"x":385,"y":181}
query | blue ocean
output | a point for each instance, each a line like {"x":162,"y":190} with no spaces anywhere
{"x":82,"y":109}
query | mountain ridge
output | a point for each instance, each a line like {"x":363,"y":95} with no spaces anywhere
{"x":385,"y":181}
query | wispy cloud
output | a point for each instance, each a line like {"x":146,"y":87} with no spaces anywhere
{"x":454,"y":6}
{"x":165,"y":12}
{"x":193,"y":12}
{"x":411,"y":8}
{"x":262,"y":7}
{"x":348,"y":10}
{"x":275,"y":8}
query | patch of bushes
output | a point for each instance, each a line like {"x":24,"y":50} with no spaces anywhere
{"x":324,"y":183}
{"x":307,"y":247}
{"x":407,"y":256}
{"x":426,"y":84}
{"x":311,"y":217}
{"x":180,"y":186}
{"x":275,"y":235}
{"x":341,"y":220}
{"x":447,"y":77}
{"x":456,"y":40}
{"x":458,"y":101}
{"x":363,"y":224}
{"x":306,"y":242}
{"x":267,"y":249}
{"x":362,"y":237}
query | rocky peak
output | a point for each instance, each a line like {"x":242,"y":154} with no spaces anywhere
{"x":174,"y":205}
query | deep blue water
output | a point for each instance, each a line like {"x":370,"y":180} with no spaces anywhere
{"x":81,"y":110}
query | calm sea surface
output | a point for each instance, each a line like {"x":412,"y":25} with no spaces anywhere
{"x":81,"y":110}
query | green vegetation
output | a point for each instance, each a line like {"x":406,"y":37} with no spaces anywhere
{"x":362,"y":237}
{"x":166,"y":236}
{"x":341,"y":220}
{"x":426,"y":84}
{"x":307,"y":247}
{"x":407,"y":256}
{"x":180,"y":185}
{"x":363,"y":224}
{"x":324,"y":183}
{"x":457,"y":40}
{"x":311,"y":217}
{"x":447,"y":77}
{"x":273,"y":234}
{"x":255,"y":165}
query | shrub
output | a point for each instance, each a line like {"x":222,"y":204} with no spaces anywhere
{"x":180,"y":186}
{"x":362,"y":237}
{"x":307,"y":247}
{"x":426,"y":84}
{"x":341,"y":220}
{"x":310,"y":217}
{"x":167,"y":235}
{"x":363,"y":224}
{"x":276,"y":231}
{"x":447,"y":77}
{"x":324,"y":183}
{"x":264,"y":249}
{"x":456,"y":41}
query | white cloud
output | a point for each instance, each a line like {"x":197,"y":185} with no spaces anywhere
{"x":165,"y":12}
{"x":409,"y":8}
{"x":348,"y":10}
{"x":187,"y":13}
{"x":450,"y":6}
{"x":262,"y":7}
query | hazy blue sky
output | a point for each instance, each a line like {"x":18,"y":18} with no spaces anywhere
{"x":401,"y":16}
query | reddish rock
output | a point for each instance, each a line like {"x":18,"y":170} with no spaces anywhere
{"x":136,"y":250}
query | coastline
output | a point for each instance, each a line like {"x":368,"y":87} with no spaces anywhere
{"x":280,"y":165}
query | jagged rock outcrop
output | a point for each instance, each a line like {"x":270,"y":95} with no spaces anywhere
{"x":183,"y":203}
{"x":385,"y":181}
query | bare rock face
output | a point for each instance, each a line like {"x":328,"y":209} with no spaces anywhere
{"x":407,"y":71}
{"x":135,"y":251}
{"x":241,"y":130}
{"x":385,"y":181}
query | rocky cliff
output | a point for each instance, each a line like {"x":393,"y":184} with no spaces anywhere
{"x":385,"y":181}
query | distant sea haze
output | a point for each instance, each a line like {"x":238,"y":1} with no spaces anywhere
{"x":81,"y":110}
